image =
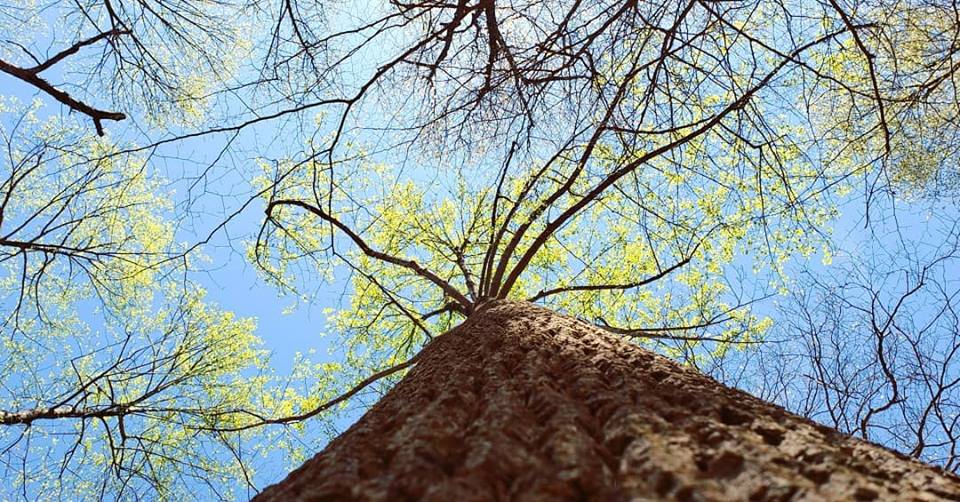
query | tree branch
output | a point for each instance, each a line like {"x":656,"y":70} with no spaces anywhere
{"x":329,"y":404}
{"x":601,"y":287}
{"x":465,"y":306}
{"x":32,"y":77}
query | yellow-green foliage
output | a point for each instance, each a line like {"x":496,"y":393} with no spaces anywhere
{"x":99,"y":313}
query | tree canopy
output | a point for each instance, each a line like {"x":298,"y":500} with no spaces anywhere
{"x":672,"y":172}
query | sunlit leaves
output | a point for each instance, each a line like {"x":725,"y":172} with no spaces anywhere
{"x":117,"y":373}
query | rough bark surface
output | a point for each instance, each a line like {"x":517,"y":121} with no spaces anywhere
{"x":522,"y":403}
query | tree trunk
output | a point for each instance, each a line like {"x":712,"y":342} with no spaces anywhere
{"x":522,"y":403}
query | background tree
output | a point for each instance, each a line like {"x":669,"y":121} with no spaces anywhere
{"x":105,"y":338}
{"x":650,"y":168}
{"x":871,"y":349}
{"x":114,"y":365}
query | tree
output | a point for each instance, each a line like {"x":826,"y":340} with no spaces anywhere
{"x":103,"y":333}
{"x":615,"y":160}
{"x":113,"y":363}
{"x":871,"y":350}
{"x":522,"y":403}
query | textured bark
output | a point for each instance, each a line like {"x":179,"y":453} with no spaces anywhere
{"x":522,"y":403}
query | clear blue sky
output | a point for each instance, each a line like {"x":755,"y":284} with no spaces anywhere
{"x":233,"y":283}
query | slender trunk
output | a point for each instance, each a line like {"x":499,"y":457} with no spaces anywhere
{"x":523,"y":403}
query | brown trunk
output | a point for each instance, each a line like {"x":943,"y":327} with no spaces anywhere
{"x":523,"y":403}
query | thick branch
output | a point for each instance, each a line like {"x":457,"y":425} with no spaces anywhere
{"x":73,"y":49}
{"x":465,"y":306}
{"x":26,"y":417}
{"x":32,"y":77}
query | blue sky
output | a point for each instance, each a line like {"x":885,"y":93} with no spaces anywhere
{"x":234,"y":284}
{"x":230,"y":280}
